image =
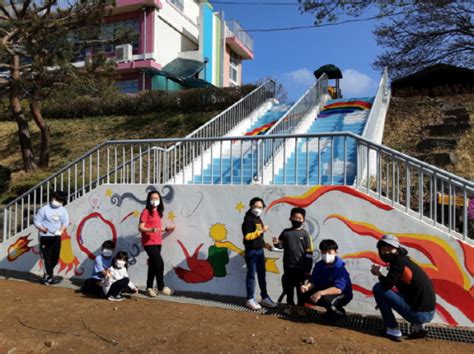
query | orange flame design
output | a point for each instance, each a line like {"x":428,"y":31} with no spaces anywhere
{"x":446,"y":272}
{"x":316,"y":192}
{"x":18,"y":248}
{"x":67,"y":259}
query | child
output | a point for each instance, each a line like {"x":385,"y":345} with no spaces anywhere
{"x":151,"y":229}
{"x":297,"y":258}
{"x":51,"y":221}
{"x":253,"y":230}
{"x":330,"y":285}
{"x":116,"y":279}
{"x":102,"y":262}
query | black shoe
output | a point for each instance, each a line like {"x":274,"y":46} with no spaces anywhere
{"x":418,"y":334}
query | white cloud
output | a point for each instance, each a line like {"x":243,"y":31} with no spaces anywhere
{"x":355,"y":83}
{"x":301,"y":76}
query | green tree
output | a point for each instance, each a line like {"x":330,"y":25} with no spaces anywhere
{"x":415,"y":33}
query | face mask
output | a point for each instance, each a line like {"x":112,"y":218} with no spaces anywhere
{"x":155,"y":203}
{"x":257,"y":211}
{"x":107,"y":253}
{"x":120,"y":264}
{"x":296,"y":224}
{"x":388,"y":257}
{"x":56,"y":204}
{"x":328,"y":258}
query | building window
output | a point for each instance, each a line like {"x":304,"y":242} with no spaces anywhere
{"x":179,"y":4}
{"x":127,"y":86}
{"x":115,"y":29}
{"x":234,"y":69}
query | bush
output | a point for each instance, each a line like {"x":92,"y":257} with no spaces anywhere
{"x":5,"y":177}
{"x":193,"y":100}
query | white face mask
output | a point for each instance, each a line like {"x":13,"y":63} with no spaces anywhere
{"x":328,"y":258}
{"x":56,"y":204}
{"x":120,"y":264}
{"x":107,"y":253}
{"x":155,"y":203}
{"x":257,"y":211}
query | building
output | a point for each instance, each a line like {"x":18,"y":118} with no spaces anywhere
{"x":179,"y":44}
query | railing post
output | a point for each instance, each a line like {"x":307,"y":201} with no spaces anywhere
{"x":5,"y":224}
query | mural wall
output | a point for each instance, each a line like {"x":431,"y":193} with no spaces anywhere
{"x":205,"y":252}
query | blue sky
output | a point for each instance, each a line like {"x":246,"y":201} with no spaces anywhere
{"x":292,"y":56}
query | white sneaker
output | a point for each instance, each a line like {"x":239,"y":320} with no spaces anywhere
{"x":167,"y":291}
{"x":253,"y":305}
{"x":267,"y":302}
{"x":150,"y":292}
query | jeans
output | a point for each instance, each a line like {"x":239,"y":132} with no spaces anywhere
{"x":389,"y":299}
{"x":155,"y":267}
{"x":255,"y":260}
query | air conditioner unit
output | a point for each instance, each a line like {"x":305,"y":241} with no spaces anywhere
{"x":123,"y":53}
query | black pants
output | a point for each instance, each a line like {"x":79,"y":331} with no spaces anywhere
{"x":50,"y":248}
{"x":118,"y":287}
{"x":156,"y":267}
{"x":92,"y":287}
{"x":332,"y":303}
{"x":293,"y":278}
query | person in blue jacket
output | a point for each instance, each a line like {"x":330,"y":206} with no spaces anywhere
{"x":330,"y":285}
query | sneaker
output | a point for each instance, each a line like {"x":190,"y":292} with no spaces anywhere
{"x":116,"y":298}
{"x":47,"y":280}
{"x":150,"y":292}
{"x":300,"y":311}
{"x":276,"y":249}
{"x":253,"y":305}
{"x":167,"y":291}
{"x":418,"y":334}
{"x":267,"y":302}
{"x":393,"y":334}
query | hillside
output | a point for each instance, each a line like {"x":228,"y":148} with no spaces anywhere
{"x":418,"y":125}
{"x":72,"y":138}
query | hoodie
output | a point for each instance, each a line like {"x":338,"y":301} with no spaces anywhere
{"x":335,"y":274}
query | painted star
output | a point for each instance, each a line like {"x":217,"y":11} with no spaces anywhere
{"x":239,"y":206}
{"x":171,"y":216}
{"x":108,"y":192}
{"x":136,"y":213}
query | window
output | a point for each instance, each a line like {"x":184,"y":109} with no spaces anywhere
{"x":115,"y":29}
{"x":234,"y":69}
{"x":127,"y":86}
{"x":177,"y":3}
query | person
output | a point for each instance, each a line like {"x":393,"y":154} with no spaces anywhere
{"x":415,"y":298}
{"x":116,"y":279}
{"x":330,"y":285}
{"x":93,"y":285}
{"x":253,"y":231}
{"x":51,"y":221}
{"x":151,"y":229}
{"x":297,"y":259}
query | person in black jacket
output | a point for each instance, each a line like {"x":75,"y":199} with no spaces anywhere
{"x":253,"y":231}
{"x":415,"y":300}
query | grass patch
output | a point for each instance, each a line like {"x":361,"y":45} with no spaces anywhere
{"x":71,"y":138}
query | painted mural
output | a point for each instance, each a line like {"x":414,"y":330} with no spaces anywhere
{"x":205,"y":252}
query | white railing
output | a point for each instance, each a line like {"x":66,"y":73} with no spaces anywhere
{"x":374,"y":126}
{"x":419,"y":189}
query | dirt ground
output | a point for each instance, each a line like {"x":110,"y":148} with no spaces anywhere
{"x":35,"y":318}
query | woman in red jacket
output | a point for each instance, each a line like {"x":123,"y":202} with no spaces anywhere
{"x":151,"y":229}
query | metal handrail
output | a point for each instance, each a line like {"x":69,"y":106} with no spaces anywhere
{"x":154,"y":165}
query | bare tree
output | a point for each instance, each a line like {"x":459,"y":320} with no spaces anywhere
{"x":39,"y":42}
{"x":415,"y":33}
{"x":281,"y":94}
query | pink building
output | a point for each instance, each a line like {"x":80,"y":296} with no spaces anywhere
{"x":179,"y":44}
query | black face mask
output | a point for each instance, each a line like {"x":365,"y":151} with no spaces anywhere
{"x":387,"y":258}
{"x":296,"y":224}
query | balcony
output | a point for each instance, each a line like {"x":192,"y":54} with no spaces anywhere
{"x":123,"y":6}
{"x":238,"y":40}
